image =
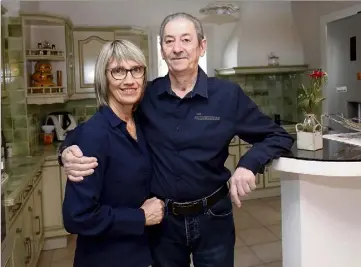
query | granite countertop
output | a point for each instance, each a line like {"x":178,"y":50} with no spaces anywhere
{"x":22,"y":168}
{"x":332,"y":151}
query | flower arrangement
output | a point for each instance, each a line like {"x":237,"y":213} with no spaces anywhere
{"x":310,"y":97}
{"x":309,"y":133}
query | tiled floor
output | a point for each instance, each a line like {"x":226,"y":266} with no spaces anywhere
{"x":258,"y":228}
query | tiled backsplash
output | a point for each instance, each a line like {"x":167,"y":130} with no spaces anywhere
{"x":274,"y":93}
{"x":80,"y":109}
{"x":17,"y":124}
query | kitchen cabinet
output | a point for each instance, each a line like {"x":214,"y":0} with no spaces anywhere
{"x":87,"y":45}
{"x":58,"y":85}
{"x":88,"y":42}
{"x":54,"y":180}
{"x":25,"y":218}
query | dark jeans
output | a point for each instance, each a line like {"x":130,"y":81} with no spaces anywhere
{"x":209,"y":237}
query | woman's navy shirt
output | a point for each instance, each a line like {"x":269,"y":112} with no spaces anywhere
{"x":104,"y":209}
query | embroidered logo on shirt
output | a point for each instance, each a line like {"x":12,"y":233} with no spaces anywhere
{"x":201,"y":117}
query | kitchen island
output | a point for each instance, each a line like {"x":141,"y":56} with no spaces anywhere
{"x":321,"y":206}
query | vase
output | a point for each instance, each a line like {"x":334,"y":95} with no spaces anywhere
{"x":309,"y":134}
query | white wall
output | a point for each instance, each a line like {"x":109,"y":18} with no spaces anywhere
{"x":342,"y":71}
{"x":149,"y":14}
{"x":142,"y":13}
{"x":307,"y":16}
{"x":264,"y":27}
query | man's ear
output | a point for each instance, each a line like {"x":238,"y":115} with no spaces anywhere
{"x":203,"y":47}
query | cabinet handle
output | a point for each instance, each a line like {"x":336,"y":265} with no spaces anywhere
{"x":38,"y":218}
{"x":40,"y":192}
{"x":19,"y":230}
{"x":27,"y":244}
{"x":30,"y":209}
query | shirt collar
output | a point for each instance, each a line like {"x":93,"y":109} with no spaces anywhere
{"x":200,"y":88}
{"x":113,"y":119}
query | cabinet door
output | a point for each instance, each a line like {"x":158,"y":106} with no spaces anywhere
{"x":38,"y":231}
{"x":87,"y":45}
{"x":9,"y":263}
{"x":20,"y":249}
{"x":273,"y":178}
{"x":52,"y":197}
{"x":28,"y":215}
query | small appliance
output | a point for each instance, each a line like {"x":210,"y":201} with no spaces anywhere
{"x":63,"y":122}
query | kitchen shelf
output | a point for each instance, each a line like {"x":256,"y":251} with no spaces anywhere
{"x":45,"y":54}
{"x":44,"y":91}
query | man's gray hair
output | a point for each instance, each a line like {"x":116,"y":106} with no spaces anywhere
{"x":196,"y":22}
{"x":119,"y":50}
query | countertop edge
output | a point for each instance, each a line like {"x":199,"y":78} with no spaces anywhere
{"x":317,"y":167}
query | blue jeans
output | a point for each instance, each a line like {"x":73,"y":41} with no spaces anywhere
{"x":209,"y":237}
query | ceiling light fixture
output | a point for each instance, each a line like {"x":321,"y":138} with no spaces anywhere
{"x":219,"y":9}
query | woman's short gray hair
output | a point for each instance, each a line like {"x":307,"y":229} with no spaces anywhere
{"x":181,"y":15}
{"x":119,"y":50}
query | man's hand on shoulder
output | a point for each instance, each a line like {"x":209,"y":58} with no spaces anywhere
{"x":76,"y":165}
{"x":242,"y":182}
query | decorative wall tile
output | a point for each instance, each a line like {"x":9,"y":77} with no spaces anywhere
{"x":273,"y":93}
{"x":17,"y":95}
{"x":18,"y":109}
{"x":21,"y":135}
{"x":19,"y":122}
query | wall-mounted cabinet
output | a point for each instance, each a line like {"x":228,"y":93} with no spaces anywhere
{"x":87,"y":45}
{"x":48,"y":58}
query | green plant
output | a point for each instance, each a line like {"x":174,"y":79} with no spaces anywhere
{"x":310,"y":98}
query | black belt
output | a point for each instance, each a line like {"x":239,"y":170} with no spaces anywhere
{"x":198,"y":206}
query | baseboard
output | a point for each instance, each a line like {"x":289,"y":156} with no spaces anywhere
{"x":55,"y":243}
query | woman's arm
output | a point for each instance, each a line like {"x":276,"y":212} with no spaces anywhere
{"x":82,"y":212}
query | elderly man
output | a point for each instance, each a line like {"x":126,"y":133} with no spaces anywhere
{"x":189,"y":120}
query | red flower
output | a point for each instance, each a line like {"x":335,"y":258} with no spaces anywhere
{"x":317,"y":74}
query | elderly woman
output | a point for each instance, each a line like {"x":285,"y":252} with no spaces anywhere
{"x":110,"y":210}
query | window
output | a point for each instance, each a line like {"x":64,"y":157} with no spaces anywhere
{"x":162,"y":65}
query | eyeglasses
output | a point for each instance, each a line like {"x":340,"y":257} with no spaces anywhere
{"x":120,"y":73}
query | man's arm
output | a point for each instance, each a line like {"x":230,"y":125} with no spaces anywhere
{"x":70,"y":156}
{"x":69,"y":140}
{"x":269,"y":140}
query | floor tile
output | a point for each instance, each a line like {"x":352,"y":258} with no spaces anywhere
{"x":244,"y":257}
{"x":276,"y":229}
{"x":273,"y":202}
{"x":239,"y":241}
{"x":45,"y":258}
{"x":274,"y":264}
{"x":62,"y":263}
{"x":257,"y":236}
{"x":266,"y":215}
{"x":268,"y":252}
{"x":243,"y":220}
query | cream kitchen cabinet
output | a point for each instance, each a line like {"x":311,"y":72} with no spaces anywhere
{"x":54,"y":180}
{"x":25,"y":218}
{"x":87,"y":45}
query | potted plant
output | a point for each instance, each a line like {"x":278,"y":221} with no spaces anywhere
{"x":309,"y":133}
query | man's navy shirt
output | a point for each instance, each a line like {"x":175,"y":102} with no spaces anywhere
{"x":189,"y":136}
